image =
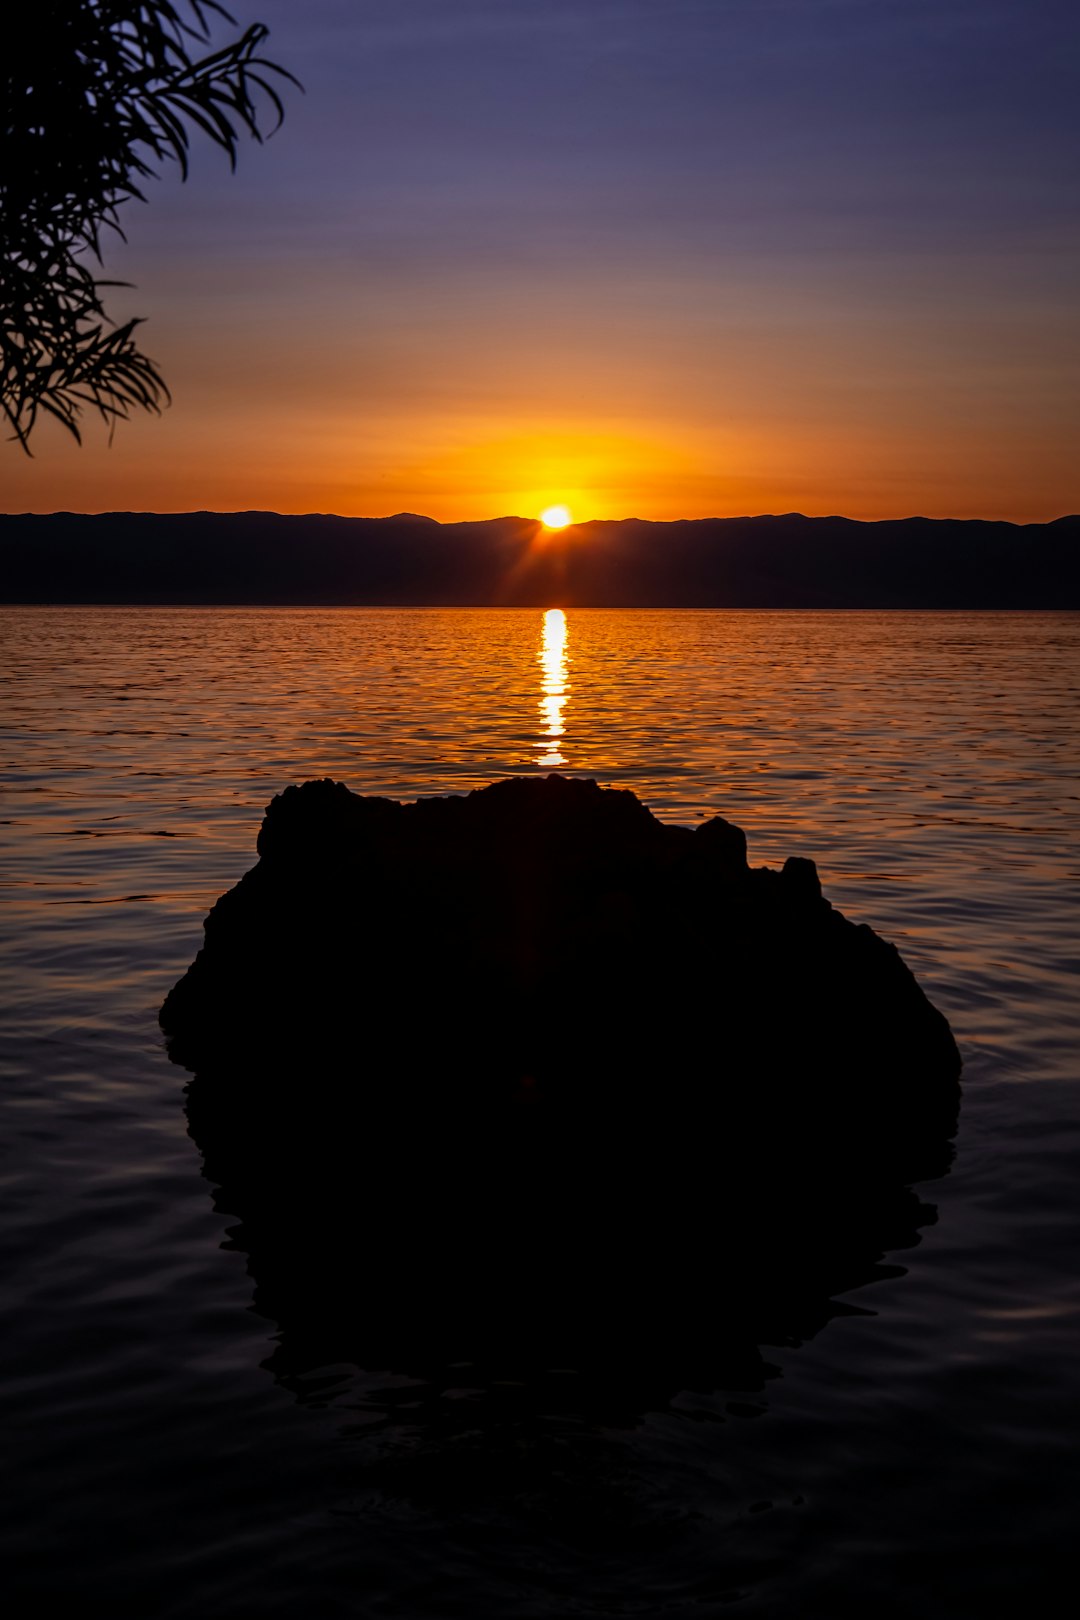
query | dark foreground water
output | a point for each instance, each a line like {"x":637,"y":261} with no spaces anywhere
{"x":917,"y":1457}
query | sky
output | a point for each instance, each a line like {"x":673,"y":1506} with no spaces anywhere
{"x":652,"y":258}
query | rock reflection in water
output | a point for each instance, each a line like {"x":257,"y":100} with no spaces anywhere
{"x":592,"y":1276}
{"x":541,"y":1364}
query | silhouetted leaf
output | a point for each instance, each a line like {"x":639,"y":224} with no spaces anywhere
{"x":94,"y":94}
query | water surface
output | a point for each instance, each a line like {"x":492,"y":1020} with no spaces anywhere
{"x":917,"y":1456}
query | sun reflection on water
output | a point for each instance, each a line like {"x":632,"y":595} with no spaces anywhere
{"x":554,"y":687}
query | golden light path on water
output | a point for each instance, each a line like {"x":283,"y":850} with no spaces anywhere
{"x":554,"y":686}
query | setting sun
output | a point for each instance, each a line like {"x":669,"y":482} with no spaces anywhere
{"x":556,"y":517}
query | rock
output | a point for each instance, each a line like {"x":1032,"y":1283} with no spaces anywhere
{"x":531,"y":1068}
{"x":801,"y":877}
{"x":552,"y":931}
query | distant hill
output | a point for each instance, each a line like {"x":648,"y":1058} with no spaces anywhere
{"x":757,"y":562}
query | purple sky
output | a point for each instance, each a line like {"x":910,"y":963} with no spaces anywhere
{"x":668,"y":257}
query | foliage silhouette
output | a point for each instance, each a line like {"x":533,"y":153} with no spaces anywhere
{"x":96,"y":94}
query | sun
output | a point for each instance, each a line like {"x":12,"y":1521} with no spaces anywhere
{"x":556,"y":517}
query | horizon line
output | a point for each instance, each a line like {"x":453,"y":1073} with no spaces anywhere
{"x":537,"y":522}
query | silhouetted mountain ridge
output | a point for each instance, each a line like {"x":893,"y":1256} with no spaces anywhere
{"x":768,"y":561}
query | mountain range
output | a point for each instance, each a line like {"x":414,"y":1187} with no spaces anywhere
{"x":787,"y":561}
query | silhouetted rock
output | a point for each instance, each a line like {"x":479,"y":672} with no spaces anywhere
{"x":550,"y":931}
{"x":531,"y":1073}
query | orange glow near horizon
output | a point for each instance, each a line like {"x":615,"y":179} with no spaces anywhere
{"x":554,"y":689}
{"x":605,"y":388}
{"x":222,"y":448}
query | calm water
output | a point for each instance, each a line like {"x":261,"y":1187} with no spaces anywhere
{"x":917,"y":1457}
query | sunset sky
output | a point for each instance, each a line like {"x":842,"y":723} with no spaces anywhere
{"x":658,"y":258}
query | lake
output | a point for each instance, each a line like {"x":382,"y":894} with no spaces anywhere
{"x":919,"y":1455}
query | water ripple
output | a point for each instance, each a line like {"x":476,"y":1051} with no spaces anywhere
{"x":919,"y":1456}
